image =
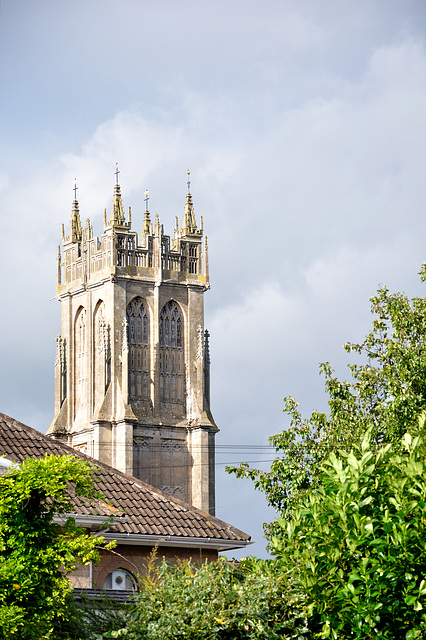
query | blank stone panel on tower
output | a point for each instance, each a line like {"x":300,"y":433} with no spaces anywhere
{"x":132,"y":367}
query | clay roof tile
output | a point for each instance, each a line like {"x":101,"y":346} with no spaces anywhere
{"x":148,"y":510}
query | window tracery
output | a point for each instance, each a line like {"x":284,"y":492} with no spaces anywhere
{"x":172,"y":367}
{"x":80,"y":357}
{"x":139,"y":360}
{"x":101,"y":353}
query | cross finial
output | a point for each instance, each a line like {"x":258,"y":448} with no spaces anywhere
{"x":75,"y":188}
{"x":116,"y":173}
{"x":189,"y":181}
{"x":146,"y":199}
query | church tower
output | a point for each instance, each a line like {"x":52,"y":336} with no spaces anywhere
{"x":132,"y":361}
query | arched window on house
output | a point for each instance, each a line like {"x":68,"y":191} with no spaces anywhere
{"x":172,"y":365}
{"x":120,"y":580}
{"x":139,"y":359}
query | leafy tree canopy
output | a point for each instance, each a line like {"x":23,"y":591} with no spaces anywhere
{"x":385,"y":394}
{"x":356,"y":544}
{"x":350,"y":563}
{"x":250,"y":600}
{"x":36,"y":551}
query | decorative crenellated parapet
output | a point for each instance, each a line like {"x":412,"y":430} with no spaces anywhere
{"x":182,"y":257}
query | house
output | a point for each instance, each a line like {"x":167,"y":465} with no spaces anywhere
{"x":143,"y":517}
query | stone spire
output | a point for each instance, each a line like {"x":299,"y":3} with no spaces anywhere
{"x":147,"y":224}
{"x":175,"y":243}
{"x":157,"y":225}
{"x":88,"y":232}
{"x":189,"y":224}
{"x":117,"y":212}
{"x":75,"y":227}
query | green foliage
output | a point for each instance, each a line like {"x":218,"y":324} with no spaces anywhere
{"x":35,"y":551}
{"x":220,"y":600}
{"x":356,"y":546}
{"x":385,"y":394}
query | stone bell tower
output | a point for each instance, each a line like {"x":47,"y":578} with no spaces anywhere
{"x":132,"y":362}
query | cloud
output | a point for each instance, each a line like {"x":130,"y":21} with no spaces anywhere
{"x":305,"y":135}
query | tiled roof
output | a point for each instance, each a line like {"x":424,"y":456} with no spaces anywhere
{"x":148,"y":511}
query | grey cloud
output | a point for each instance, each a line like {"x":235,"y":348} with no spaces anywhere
{"x":308,"y":172}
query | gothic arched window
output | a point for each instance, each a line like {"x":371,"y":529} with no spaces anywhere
{"x":101,"y":354}
{"x":80,"y":357}
{"x":171,"y":325}
{"x":139,"y":361}
{"x":172,"y":366}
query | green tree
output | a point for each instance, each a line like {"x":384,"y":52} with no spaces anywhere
{"x":386,"y":393}
{"x":356,"y":545}
{"x":215,"y":601}
{"x":36,"y":551}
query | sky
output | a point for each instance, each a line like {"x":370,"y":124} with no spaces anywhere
{"x":304,"y":127}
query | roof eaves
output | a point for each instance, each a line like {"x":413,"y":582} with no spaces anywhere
{"x":177,"y":541}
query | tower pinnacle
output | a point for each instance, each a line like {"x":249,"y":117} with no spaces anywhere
{"x":117,"y":212}
{"x":75,"y":227}
{"x":189,"y":225}
{"x":147,"y":225}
